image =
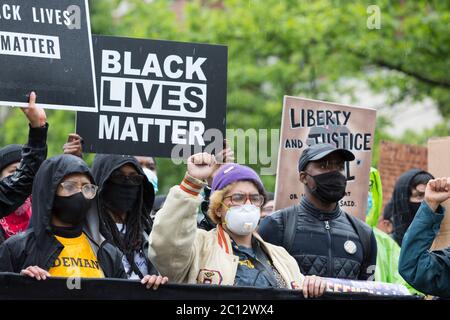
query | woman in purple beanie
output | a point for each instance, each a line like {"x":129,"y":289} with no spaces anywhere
{"x":232,"y":253}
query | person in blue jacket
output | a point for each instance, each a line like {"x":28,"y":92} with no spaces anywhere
{"x":427,"y":271}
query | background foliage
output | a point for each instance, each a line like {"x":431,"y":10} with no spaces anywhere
{"x":300,"y":48}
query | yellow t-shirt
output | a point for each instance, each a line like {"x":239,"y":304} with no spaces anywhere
{"x":76,"y":259}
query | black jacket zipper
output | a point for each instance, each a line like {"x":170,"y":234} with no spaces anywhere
{"x":330,"y":268}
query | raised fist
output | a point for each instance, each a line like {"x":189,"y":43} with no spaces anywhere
{"x":437,"y":191}
{"x":201,"y":165}
{"x":74,"y":145}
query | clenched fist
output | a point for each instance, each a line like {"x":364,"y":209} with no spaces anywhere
{"x":201,"y":165}
{"x":437,"y":191}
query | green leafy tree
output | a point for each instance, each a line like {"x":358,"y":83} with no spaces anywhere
{"x":291,"y":47}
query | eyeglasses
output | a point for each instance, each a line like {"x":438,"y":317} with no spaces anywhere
{"x":331,"y":165}
{"x":239,"y":199}
{"x":119,"y":178}
{"x":70,"y":188}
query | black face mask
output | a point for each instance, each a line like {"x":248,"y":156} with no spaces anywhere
{"x":71,"y":210}
{"x":330,"y":186}
{"x":120,"y":197}
{"x":413,"y":207}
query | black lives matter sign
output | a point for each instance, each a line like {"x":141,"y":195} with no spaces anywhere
{"x":46,"y":46}
{"x":154,"y":95}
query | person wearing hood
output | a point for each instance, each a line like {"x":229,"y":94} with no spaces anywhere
{"x":408,"y":194}
{"x":126,"y":199}
{"x":232,"y":253}
{"x":18,"y":220}
{"x":324,"y":239}
{"x":65,"y":239}
{"x":427,"y":270}
{"x":17,"y":176}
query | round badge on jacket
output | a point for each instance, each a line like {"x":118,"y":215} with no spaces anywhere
{"x":350,"y":247}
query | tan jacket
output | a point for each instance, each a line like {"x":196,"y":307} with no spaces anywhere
{"x":186,"y":254}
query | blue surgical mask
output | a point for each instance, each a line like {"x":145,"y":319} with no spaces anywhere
{"x":369,"y":203}
{"x":152,"y":177}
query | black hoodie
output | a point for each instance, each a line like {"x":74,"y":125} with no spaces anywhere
{"x":104,"y":165}
{"x":38,"y":245}
{"x":17,"y":187}
{"x":398,"y":206}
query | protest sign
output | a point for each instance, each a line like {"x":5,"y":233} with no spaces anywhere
{"x":46,"y":47}
{"x":307,"y":122}
{"x":154,"y":95}
{"x":439,"y":166}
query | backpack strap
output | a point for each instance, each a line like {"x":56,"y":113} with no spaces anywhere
{"x":364,"y":232}
{"x":290,"y":226}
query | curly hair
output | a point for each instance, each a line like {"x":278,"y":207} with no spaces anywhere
{"x":215,"y":202}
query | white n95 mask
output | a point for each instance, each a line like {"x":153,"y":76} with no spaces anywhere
{"x":243,"y":220}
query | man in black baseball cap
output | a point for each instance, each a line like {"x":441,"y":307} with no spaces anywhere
{"x":323,"y":239}
{"x":319,"y":151}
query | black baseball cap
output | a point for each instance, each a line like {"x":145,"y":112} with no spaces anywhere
{"x":319,"y":151}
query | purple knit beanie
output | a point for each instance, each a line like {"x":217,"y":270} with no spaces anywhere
{"x":233,"y":172}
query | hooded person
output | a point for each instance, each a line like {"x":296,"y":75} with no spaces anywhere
{"x":125,"y":199}
{"x":231,"y":253}
{"x":408,"y":194}
{"x":65,"y":239}
{"x":426,"y":269}
{"x":16,"y":187}
{"x":18,"y":220}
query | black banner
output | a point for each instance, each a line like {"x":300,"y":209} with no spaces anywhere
{"x":16,"y":287}
{"x":154,"y":95}
{"x":46,"y":46}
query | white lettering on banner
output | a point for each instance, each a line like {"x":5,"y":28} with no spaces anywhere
{"x":10,"y":12}
{"x":154,"y":97}
{"x":174,"y":66}
{"x":51,"y":16}
{"x":137,"y":129}
{"x":29,"y":45}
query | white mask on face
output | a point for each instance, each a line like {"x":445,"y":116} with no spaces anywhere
{"x":243,"y":220}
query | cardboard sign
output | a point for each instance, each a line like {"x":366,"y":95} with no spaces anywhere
{"x":154,"y":95}
{"x":439,"y":167}
{"x":46,"y":46}
{"x":307,"y":122}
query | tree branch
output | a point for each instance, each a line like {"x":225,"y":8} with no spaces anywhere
{"x":400,"y":68}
